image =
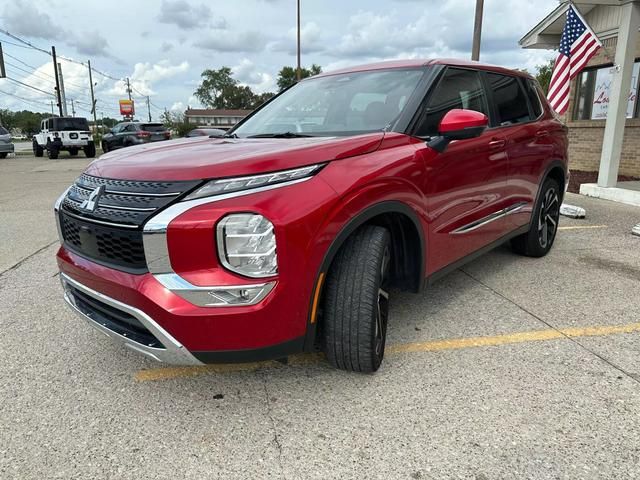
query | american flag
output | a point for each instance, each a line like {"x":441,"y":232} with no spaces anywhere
{"x":577,"y":45}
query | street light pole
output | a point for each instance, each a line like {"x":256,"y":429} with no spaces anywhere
{"x":299,"y":70}
{"x":477,"y":31}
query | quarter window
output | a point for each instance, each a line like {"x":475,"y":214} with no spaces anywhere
{"x":458,"y":88}
{"x":510,"y":101}
{"x":534,"y":99}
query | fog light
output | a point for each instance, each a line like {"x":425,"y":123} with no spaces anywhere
{"x":247,"y":245}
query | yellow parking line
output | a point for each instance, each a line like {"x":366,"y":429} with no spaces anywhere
{"x":580,"y":227}
{"x":430,"y":346}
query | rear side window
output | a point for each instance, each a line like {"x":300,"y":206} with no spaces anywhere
{"x":510,"y":100}
{"x":458,"y":88}
{"x":534,"y":99}
{"x":152,"y":127}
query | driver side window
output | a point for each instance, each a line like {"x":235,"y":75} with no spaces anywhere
{"x":457,"y":88}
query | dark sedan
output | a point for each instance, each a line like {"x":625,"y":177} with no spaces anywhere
{"x":126,"y":134}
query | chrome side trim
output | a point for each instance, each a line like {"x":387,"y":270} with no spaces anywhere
{"x":203,"y":296}
{"x":154,"y":235}
{"x":174,"y":352}
{"x":469,"y":227}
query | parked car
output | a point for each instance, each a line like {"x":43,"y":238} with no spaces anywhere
{"x":291,"y":235}
{"x":126,"y":134}
{"x":63,"y":133}
{"x":206,"y":132}
{"x":6,"y":147}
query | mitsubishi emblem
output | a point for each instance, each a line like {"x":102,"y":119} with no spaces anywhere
{"x":91,"y":203}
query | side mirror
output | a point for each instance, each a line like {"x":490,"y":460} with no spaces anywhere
{"x":458,"y":124}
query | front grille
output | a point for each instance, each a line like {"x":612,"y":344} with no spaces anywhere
{"x":112,"y":246}
{"x":111,"y":232}
{"x":112,"y":318}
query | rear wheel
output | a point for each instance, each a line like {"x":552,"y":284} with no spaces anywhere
{"x":90,"y":150}
{"x":356,"y":303}
{"x":3,"y":154}
{"x":544,"y":223}
{"x":38,"y":151}
{"x":52,"y":151}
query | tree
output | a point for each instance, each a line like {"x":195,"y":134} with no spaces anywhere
{"x":543,"y":75}
{"x":287,"y":75}
{"x":220,"y":90}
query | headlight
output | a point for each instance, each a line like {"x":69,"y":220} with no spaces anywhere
{"x":247,"y":245}
{"x":229,"y":185}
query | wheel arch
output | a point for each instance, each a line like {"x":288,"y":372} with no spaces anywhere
{"x":408,"y":242}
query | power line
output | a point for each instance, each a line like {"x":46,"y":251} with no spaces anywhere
{"x":24,"y":99}
{"x":24,"y":70}
{"x":29,"y":86}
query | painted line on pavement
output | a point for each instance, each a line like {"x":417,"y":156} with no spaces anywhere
{"x":580,"y":227}
{"x":167,"y":373}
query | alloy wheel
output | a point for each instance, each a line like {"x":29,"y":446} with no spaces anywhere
{"x":382,"y":313}
{"x":548,"y":218}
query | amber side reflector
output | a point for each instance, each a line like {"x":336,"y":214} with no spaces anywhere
{"x":316,"y":297}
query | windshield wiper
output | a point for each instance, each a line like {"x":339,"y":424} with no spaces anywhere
{"x":280,"y":135}
{"x":226,"y":135}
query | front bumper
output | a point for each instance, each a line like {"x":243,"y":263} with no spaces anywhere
{"x":6,"y":147}
{"x":166,"y":349}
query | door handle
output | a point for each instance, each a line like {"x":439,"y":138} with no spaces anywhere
{"x":497,"y":144}
{"x":542,"y":133}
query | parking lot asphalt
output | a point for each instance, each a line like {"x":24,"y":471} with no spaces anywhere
{"x":510,"y":367}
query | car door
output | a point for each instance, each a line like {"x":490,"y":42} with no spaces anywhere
{"x":464,"y":185}
{"x":528,"y":141}
{"x":116,"y":139}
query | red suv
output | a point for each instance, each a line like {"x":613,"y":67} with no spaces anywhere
{"x":288,"y":234}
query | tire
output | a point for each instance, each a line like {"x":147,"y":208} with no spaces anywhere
{"x":356,"y":301}
{"x":544,"y":223}
{"x":73,"y":152}
{"x":90,"y":150}
{"x":105,"y":147}
{"x":3,"y":154}
{"x":52,"y":152}
{"x":37,"y":149}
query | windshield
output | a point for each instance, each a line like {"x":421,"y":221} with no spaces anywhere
{"x":344,"y":104}
{"x":70,"y":124}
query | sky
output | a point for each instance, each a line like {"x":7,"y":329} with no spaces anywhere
{"x":164,"y":45}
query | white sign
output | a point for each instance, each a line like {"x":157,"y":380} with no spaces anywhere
{"x":602,"y":88}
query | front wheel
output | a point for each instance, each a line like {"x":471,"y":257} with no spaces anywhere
{"x":38,"y":151}
{"x":90,"y":150}
{"x":105,"y":147}
{"x":544,"y":223}
{"x":356,"y":304}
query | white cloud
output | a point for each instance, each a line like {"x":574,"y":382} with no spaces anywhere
{"x":246,"y":72}
{"x":233,"y":41}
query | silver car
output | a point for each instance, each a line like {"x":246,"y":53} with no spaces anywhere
{"x":6,"y":147}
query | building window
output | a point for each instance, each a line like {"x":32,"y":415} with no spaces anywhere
{"x":592,"y":95}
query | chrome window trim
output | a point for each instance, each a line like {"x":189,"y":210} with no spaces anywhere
{"x":470,"y":227}
{"x":174,"y":352}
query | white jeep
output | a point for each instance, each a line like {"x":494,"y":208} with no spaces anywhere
{"x":64,"y":133}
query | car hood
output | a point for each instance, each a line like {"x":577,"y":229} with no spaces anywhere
{"x":197,"y":158}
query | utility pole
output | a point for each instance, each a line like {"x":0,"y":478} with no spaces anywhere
{"x":55,"y":71}
{"x":299,"y":70}
{"x":51,"y":107}
{"x":62,"y":92}
{"x":73,"y":109}
{"x":149,"y":107}
{"x":3,"y":72}
{"x":93,"y":99}
{"x":128,"y":88}
{"x":477,"y":31}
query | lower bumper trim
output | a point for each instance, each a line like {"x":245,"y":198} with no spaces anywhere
{"x":272,"y":352}
{"x":173,"y":352}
